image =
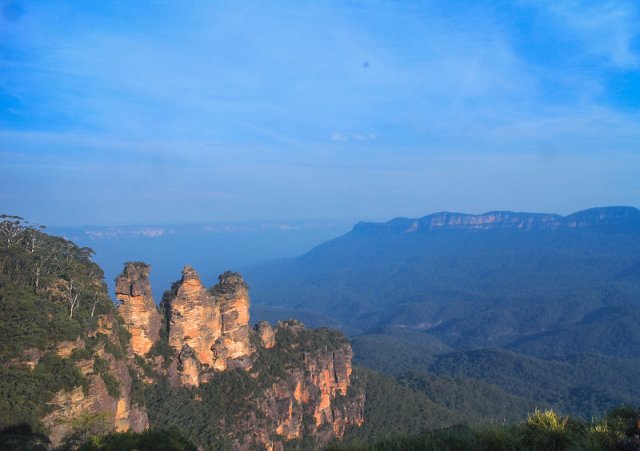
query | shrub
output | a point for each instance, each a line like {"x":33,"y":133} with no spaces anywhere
{"x":547,"y":431}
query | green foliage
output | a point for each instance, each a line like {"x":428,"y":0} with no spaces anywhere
{"x":474,"y":401}
{"x":547,"y":431}
{"x":57,"y":373}
{"x":24,"y":392}
{"x":176,"y":407}
{"x":113,"y":387}
{"x":101,"y":367}
{"x":22,"y":399}
{"x":85,"y":427}
{"x":161,"y":347}
{"x":22,"y":438}
{"x":137,"y":389}
{"x":149,"y":440}
{"x":541,"y":430}
{"x":392,"y":408}
{"x":50,"y":291}
{"x":586,"y":386}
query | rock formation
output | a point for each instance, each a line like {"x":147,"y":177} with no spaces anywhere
{"x":210,"y":326}
{"x":311,"y":389}
{"x":233,"y":348}
{"x":137,"y":308}
{"x":194,"y":319}
{"x":266,"y":334}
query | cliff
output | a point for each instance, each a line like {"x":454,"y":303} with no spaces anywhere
{"x":314,"y":386}
{"x":288,"y":382}
{"x":298,"y":392}
{"x":208,"y":329}
{"x":603,"y":218}
{"x":137,"y":308}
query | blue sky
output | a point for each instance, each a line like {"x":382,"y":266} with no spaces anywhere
{"x":159,"y":111}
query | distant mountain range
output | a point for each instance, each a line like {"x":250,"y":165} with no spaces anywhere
{"x":607,"y":218}
{"x":559,"y":289}
{"x":449,"y":269}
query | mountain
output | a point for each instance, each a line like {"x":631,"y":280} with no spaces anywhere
{"x":472,"y":280}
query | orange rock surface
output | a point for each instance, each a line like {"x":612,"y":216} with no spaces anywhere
{"x":137,"y":307}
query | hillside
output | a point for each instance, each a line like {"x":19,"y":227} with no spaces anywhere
{"x":538,"y":297}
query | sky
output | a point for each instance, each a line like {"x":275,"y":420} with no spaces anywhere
{"x":176,"y":112}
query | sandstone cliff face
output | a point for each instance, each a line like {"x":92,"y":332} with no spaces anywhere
{"x":266,"y":334}
{"x":137,"y":307}
{"x":194,"y":319}
{"x":612,"y":218}
{"x":233,"y":348}
{"x":95,"y":410}
{"x":210,"y":326}
{"x":312,"y":390}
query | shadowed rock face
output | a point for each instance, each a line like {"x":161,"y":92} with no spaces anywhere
{"x":214,"y":324}
{"x":137,"y":307}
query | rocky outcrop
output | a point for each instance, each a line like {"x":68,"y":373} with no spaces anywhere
{"x":233,"y":348}
{"x":194,"y":319}
{"x":316,"y":398}
{"x":306,"y":391}
{"x":604,"y":218}
{"x":137,"y":308}
{"x":97,"y":368}
{"x":266,"y":334}
{"x":94,"y":408}
{"x":214,"y":324}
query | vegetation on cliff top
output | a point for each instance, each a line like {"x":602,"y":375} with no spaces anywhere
{"x":51,"y":294}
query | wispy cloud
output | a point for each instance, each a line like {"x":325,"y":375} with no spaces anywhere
{"x":351,"y":136}
{"x":606,"y":28}
{"x":246,"y":104}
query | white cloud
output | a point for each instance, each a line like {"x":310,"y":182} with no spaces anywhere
{"x":353,"y":137}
